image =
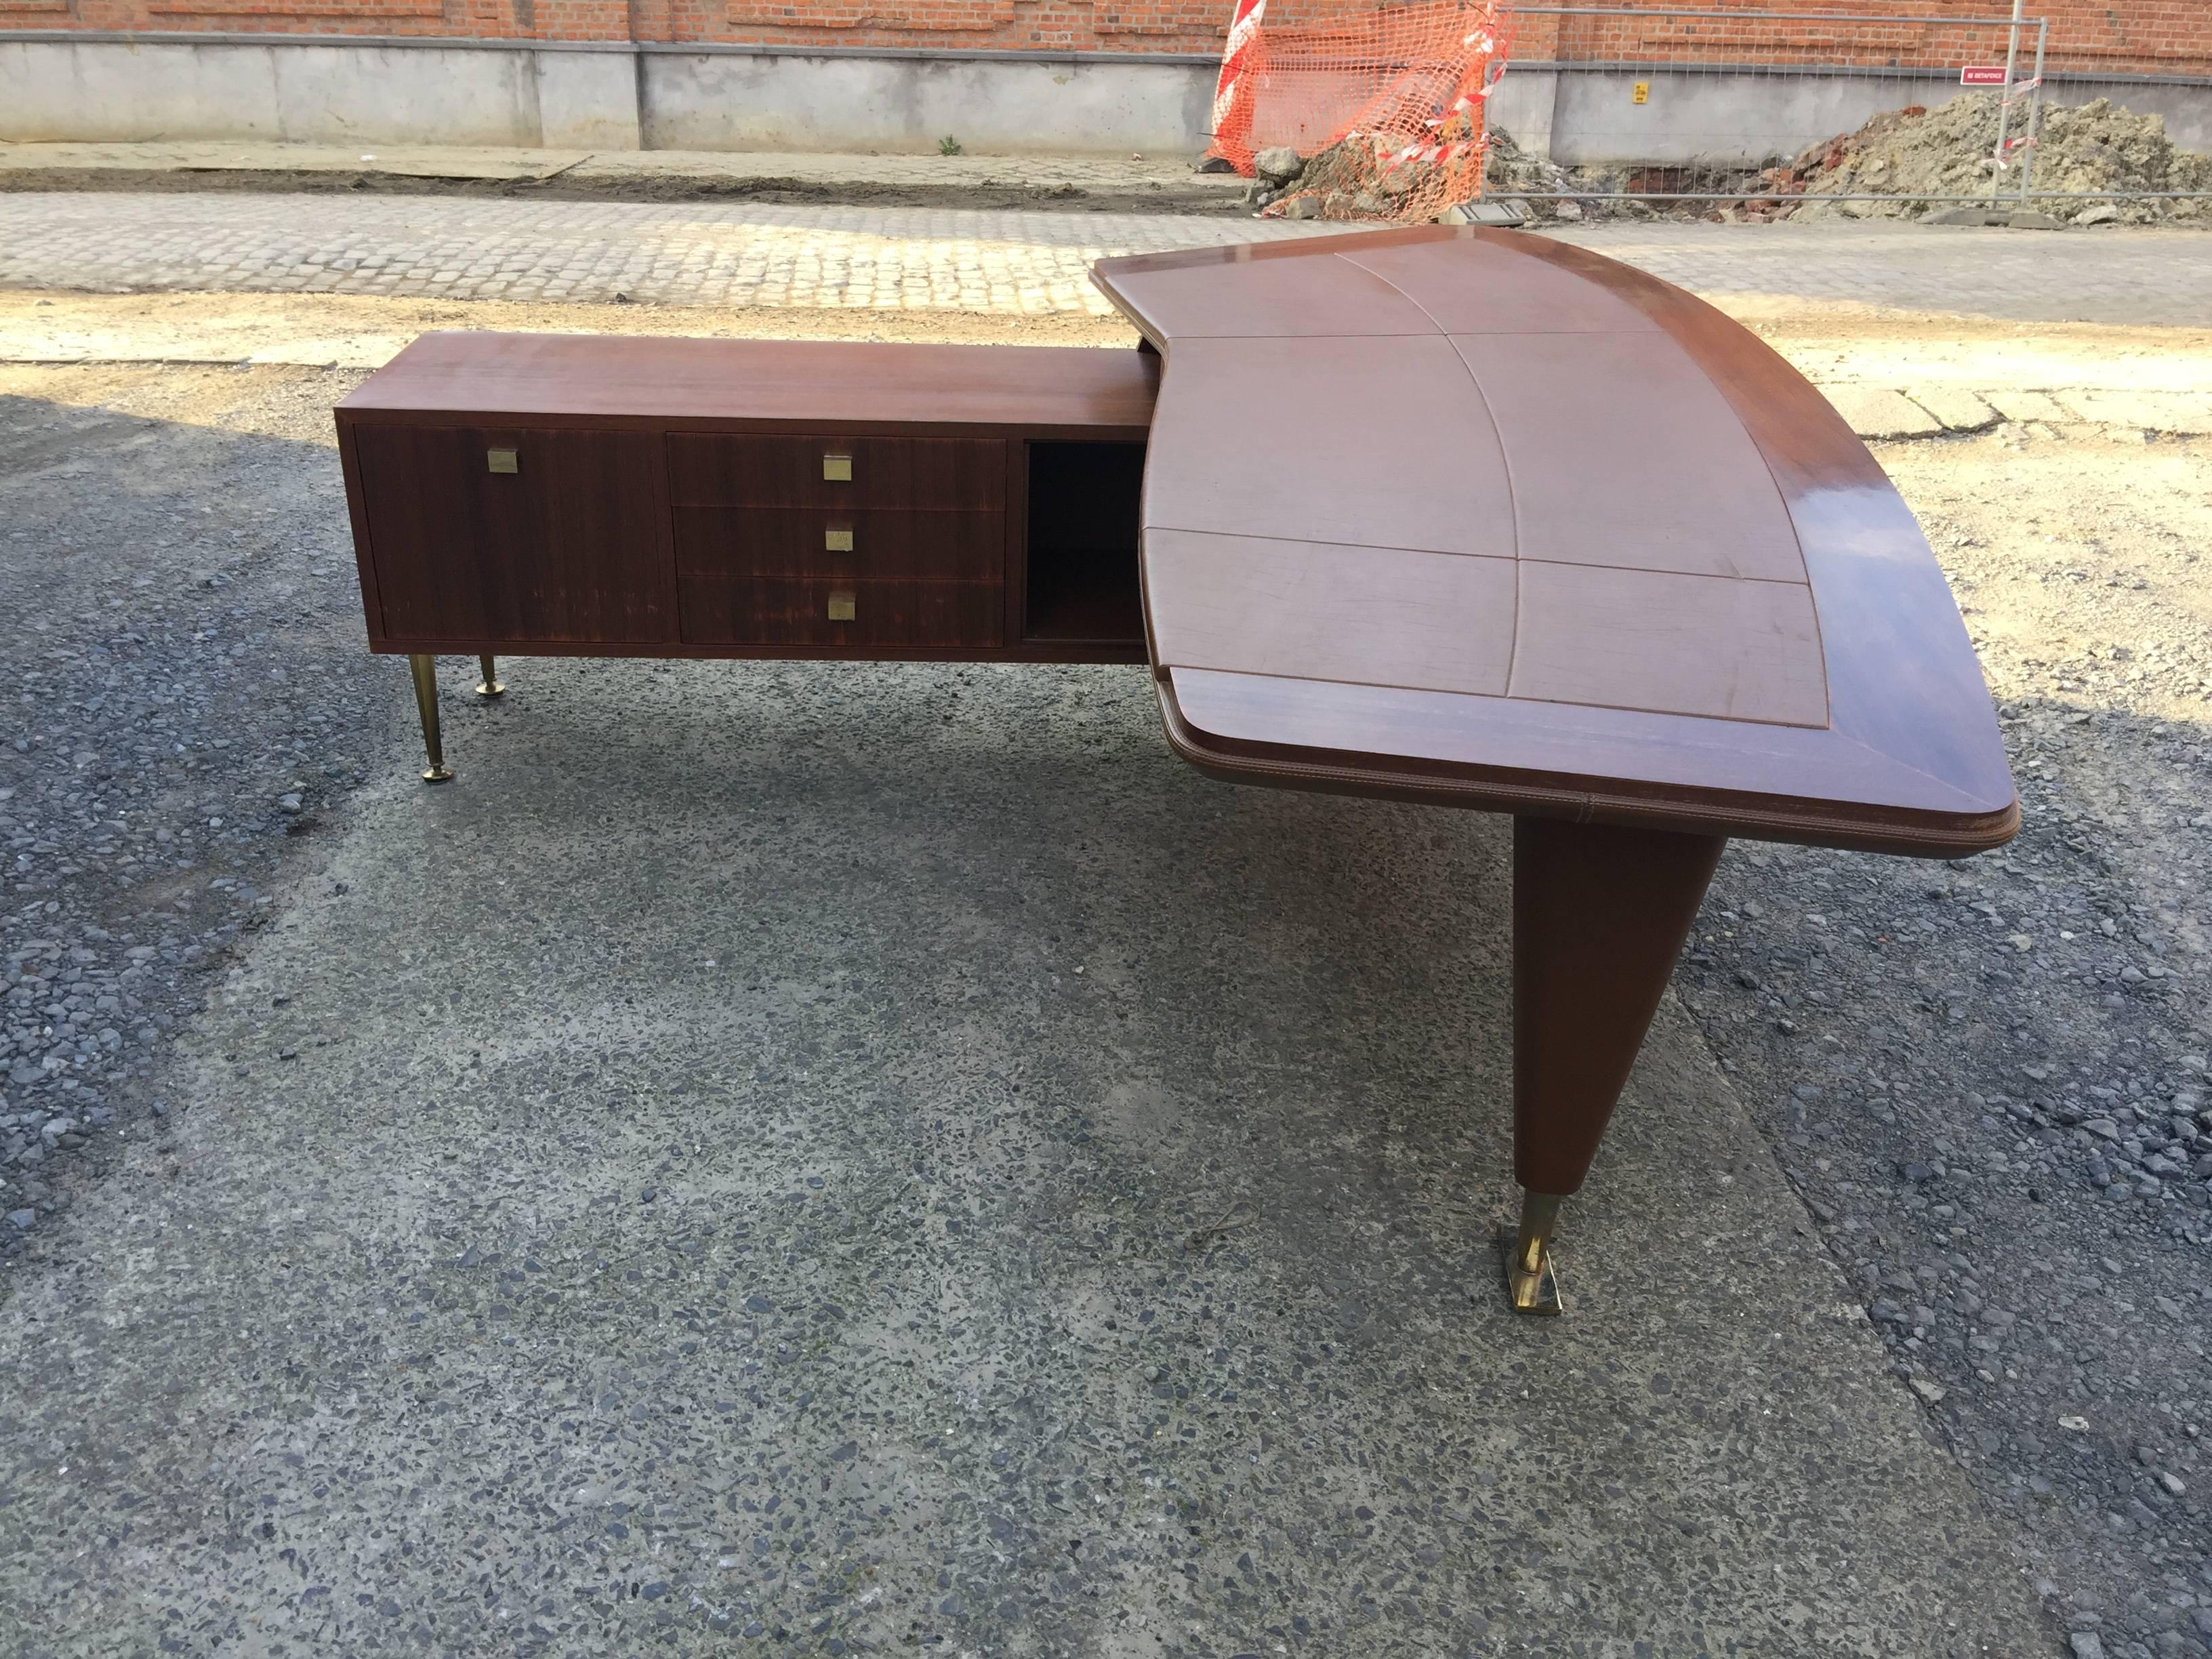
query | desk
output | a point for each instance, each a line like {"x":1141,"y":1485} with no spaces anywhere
{"x":1553,"y":538}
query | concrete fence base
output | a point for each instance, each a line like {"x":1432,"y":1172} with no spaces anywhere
{"x":91,"y":87}
{"x":590,"y":97}
{"x":1587,"y":114}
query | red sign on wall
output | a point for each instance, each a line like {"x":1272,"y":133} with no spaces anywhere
{"x":1981,"y":75}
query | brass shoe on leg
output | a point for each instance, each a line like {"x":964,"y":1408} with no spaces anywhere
{"x":425,"y":670}
{"x":488,"y":687}
{"x":1530,"y":1280}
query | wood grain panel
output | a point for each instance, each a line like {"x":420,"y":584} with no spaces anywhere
{"x":861,"y":387}
{"x":1622,"y":452}
{"x":1503,"y":755}
{"x":1370,"y":443}
{"x":1281,"y":299}
{"x":1382,"y":615}
{"x":1471,"y":286}
{"x":1902,"y":674}
{"x":745,"y":611}
{"x":573,"y":546}
{"x":887,"y":543}
{"x":914,"y":474}
{"x":1669,"y":644}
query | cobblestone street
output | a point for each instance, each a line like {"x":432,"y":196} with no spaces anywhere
{"x":450,"y":248}
{"x":1019,"y":262}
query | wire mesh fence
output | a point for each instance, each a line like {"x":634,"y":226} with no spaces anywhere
{"x":1803,"y":113}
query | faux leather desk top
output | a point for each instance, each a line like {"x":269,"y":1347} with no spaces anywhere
{"x":1466,"y":515}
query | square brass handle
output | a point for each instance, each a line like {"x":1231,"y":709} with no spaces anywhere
{"x":502,"y":460}
{"x":836,"y":541}
{"x":837,"y":469}
{"x":840,"y":605}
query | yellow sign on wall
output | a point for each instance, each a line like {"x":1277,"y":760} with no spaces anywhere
{"x":1642,"y":92}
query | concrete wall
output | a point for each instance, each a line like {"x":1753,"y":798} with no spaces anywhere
{"x":615,"y":95}
{"x":587,"y":99}
{"x":106,"y":90}
{"x":1588,"y":117}
{"x":1005,"y":106}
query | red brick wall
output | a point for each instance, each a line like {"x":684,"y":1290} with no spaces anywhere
{"x":2157,"y":37}
{"x":2146,"y":37}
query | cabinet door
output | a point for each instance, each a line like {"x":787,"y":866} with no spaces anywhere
{"x":519,"y":536}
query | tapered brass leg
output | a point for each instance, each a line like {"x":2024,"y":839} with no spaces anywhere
{"x":425,"y":670}
{"x":488,"y":686}
{"x":1530,"y":1280}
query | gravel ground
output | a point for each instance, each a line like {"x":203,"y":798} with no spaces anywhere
{"x":187,"y":692}
{"x":1986,"y":1080}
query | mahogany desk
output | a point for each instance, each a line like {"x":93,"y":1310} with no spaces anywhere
{"x":1564,"y":542}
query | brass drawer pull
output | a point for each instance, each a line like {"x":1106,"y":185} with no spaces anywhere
{"x":502,"y":460}
{"x":837,"y":469}
{"x":838,"y":541}
{"x":840,"y":605}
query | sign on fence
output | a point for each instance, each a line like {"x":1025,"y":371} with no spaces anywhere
{"x":1981,"y":75}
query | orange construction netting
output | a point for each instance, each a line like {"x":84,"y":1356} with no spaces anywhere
{"x":1385,"y":106}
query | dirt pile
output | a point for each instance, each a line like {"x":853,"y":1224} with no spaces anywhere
{"x":1511,"y":172}
{"x":1914,"y":155}
{"x":1911,"y":159}
{"x":1356,"y":179}
{"x":1361,"y":177}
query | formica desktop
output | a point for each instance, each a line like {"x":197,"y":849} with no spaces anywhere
{"x":1564,"y":542}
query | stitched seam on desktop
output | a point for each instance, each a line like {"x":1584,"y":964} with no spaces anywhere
{"x":1504,"y":457}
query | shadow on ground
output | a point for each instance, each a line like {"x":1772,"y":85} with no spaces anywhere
{"x":872,"y":1156}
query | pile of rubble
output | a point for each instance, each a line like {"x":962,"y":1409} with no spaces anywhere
{"x":1913,"y":155}
{"x":1358,"y":178}
{"x":1341,"y":182}
{"x":1511,"y":170}
{"x":1550,"y":189}
{"x":1909,"y":159}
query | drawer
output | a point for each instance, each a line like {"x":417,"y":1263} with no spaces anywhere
{"x":849,"y":542}
{"x":937,"y":475}
{"x":766,"y":610}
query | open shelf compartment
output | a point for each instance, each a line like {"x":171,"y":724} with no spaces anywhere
{"x":1080,"y":584}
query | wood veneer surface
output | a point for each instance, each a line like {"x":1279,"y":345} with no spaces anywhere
{"x":860,"y":386}
{"x":1720,"y":615}
{"x":570,"y":547}
{"x":713,"y":526}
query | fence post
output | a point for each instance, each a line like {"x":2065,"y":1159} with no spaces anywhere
{"x":2034,"y":111}
{"x":2004,"y":103}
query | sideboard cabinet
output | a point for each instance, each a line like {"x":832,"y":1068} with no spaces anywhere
{"x":588,"y":494}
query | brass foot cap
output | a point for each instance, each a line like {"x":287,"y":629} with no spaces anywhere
{"x":437,"y":775}
{"x":1537,"y":1292}
{"x":491,"y":689}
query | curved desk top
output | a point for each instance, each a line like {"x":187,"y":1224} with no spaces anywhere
{"x":1468,"y":515}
